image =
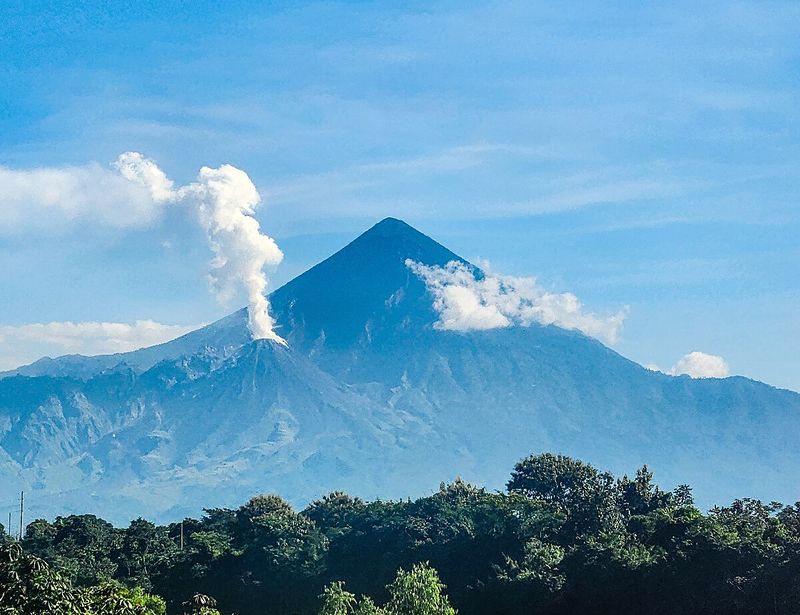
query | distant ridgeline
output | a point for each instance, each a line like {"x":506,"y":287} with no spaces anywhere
{"x":373,"y":398}
{"x":564,"y":538}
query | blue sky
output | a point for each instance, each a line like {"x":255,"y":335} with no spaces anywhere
{"x":636,"y":154}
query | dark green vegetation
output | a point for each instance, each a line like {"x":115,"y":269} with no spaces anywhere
{"x":28,"y":585}
{"x":564,"y":538}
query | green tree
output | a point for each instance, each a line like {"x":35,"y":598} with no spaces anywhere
{"x":28,"y":586}
{"x":115,"y":599}
{"x":335,"y":512}
{"x":366,"y":606}
{"x":284,"y":538}
{"x":210,"y":545}
{"x":588,"y":498}
{"x":681,"y":496}
{"x":641,"y":495}
{"x":418,"y":592}
{"x":201,"y":604}
{"x":82,"y":547}
{"x":145,"y":547}
{"x":538,"y":566}
{"x":336,"y":600}
{"x":566,"y":538}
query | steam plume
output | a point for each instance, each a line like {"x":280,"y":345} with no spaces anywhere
{"x":225,"y":200}
{"x":136,"y":168}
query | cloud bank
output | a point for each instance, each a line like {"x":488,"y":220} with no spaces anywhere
{"x":88,"y":338}
{"x":57,"y":197}
{"x":467,"y":303}
{"x":134,"y":192}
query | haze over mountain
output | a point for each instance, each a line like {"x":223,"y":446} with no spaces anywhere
{"x":367,"y":394}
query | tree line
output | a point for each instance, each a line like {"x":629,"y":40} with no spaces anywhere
{"x":564,"y":537}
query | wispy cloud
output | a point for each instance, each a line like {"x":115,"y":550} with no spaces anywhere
{"x":621,"y":191}
{"x":390,"y":186}
{"x":457,"y":158}
{"x":448,"y":159}
{"x":25,"y":343}
{"x":466,"y":184}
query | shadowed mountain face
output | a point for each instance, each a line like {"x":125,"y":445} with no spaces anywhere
{"x":370,"y":398}
{"x":365,"y":286}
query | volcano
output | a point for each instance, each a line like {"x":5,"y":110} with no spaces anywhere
{"x":371,"y":398}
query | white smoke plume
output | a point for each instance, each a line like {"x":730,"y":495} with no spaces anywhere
{"x":466,"y":303}
{"x":701,"y":365}
{"x":225,"y":199}
{"x":136,"y":168}
{"x":134,"y":192}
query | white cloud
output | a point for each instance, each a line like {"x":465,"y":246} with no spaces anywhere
{"x":56,"y":196}
{"x":25,"y":343}
{"x":466,"y":303}
{"x":701,"y":365}
{"x":225,"y":201}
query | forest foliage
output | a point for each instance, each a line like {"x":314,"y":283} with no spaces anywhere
{"x":563,"y":538}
